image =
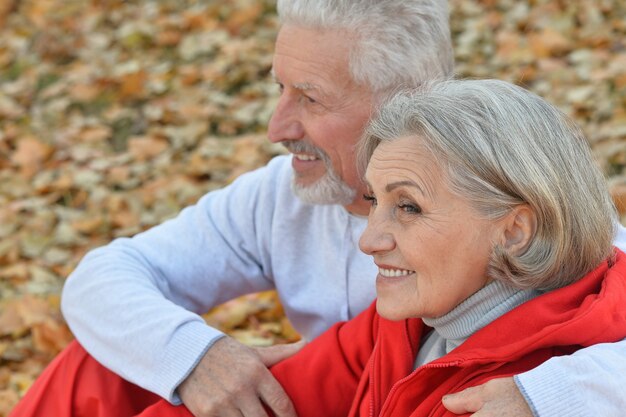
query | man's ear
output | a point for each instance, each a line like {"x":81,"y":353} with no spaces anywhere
{"x":518,"y":229}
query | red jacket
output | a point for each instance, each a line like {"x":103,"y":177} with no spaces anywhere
{"x":364,"y":367}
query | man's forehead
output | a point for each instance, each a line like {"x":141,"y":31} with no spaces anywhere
{"x":303,"y":85}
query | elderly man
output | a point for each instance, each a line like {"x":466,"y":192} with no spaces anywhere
{"x":294,"y":226}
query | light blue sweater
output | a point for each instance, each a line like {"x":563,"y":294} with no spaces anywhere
{"x":134,"y":303}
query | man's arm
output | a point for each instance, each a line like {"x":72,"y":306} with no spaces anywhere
{"x":590,"y":382}
{"x":133,"y":304}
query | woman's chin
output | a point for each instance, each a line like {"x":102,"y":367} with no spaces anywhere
{"x":389,"y":310}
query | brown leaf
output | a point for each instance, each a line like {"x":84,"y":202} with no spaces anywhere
{"x":30,"y":155}
{"x":133,"y":85}
{"x":33,"y":310}
{"x":8,"y":400}
{"x":95,"y":133}
{"x":88,"y":225}
{"x":15,"y":271}
{"x":39,"y":11}
{"x":124,"y":218}
{"x":618,"y":192}
{"x":169,"y":37}
{"x":244,"y":16}
{"x":5,"y":8}
{"x":146,"y":147}
{"x":51,"y":337}
{"x":548,"y":42}
{"x":247,"y":154}
{"x":11,"y":321}
{"x":84,"y":93}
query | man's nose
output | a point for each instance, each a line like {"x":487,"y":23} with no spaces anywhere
{"x":285,"y":123}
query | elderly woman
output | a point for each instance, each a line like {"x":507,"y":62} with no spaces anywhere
{"x":491,"y":228}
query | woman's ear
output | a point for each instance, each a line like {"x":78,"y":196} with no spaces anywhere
{"x":519,"y":227}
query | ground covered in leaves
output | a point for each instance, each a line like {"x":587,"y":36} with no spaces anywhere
{"x":116,"y":114}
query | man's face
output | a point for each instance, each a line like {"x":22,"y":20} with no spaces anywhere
{"x":320,"y":115}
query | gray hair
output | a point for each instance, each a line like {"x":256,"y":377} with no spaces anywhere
{"x":502,"y":146}
{"x":398,"y":43}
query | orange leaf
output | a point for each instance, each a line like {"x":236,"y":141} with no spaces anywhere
{"x":133,"y":85}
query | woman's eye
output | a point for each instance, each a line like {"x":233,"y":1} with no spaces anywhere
{"x":410,"y":208}
{"x":370,"y":198}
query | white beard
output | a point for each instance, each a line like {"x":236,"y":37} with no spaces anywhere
{"x":330,"y":189}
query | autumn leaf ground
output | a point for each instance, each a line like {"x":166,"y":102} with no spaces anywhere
{"x":115,"y":115}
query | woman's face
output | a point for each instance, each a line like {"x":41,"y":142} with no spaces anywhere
{"x":431,"y":247}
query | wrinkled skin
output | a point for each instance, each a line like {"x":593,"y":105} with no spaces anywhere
{"x":233,"y":380}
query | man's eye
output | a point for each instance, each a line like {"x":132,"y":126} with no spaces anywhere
{"x":310,"y":100}
{"x":281,"y":87}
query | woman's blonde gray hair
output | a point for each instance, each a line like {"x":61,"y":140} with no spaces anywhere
{"x":396,"y":43}
{"x":502,"y":146}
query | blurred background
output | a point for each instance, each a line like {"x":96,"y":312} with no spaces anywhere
{"x":114,"y":115}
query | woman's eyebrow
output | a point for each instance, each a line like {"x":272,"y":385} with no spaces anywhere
{"x":406,"y":183}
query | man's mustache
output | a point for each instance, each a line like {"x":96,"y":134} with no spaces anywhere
{"x":300,"y":146}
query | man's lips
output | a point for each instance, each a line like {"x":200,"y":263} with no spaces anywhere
{"x":302,"y":162}
{"x":305,"y":157}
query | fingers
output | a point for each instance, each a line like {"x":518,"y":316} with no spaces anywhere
{"x":496,"y":398}
{"x":469,"y":400}
{"x":231,"y":380}
{"x":274,"y":354}
{"x":275,"y":397}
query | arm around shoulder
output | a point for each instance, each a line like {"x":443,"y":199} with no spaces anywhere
{"x":590,"y":382}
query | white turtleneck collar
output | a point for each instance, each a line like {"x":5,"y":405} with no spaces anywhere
{"x":474,"y":313}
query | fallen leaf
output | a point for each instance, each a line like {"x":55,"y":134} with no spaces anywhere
{"x":146,"y":147}
{"x":30,"y":154}
{"x":133,"y":85}
{"x":548,"y":42}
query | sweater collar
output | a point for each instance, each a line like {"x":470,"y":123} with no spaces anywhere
{"x":475,"y":312}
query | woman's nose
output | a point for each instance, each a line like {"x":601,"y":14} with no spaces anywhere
{"x":376,"y":238}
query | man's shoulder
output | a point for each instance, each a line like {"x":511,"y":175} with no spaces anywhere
{"x":268,"y":179}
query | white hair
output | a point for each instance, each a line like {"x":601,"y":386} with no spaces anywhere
{"x":502,"y":146}
{"x":397,"y":43}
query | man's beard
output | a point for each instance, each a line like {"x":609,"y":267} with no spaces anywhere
{"x":329,"y":189}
